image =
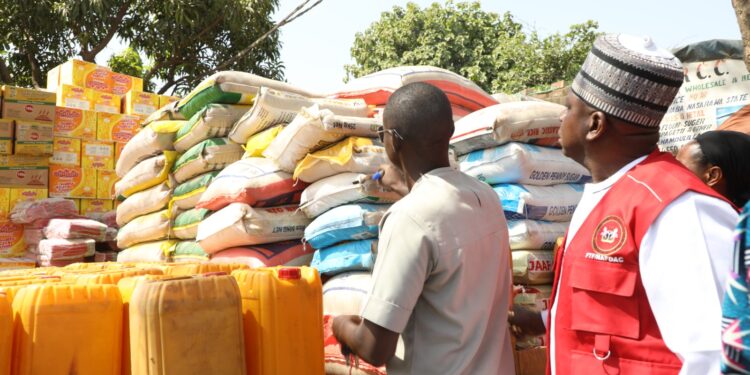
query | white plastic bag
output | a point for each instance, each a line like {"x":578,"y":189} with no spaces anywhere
{"x":534,"y":235}
{"x":341,"y":189}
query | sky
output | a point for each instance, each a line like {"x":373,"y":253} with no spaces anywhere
{"x":317,"y":45}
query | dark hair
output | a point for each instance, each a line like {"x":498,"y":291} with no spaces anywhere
{"x":730,"y":151}
{"x":419,"y":111}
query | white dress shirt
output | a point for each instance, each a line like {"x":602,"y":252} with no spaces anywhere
{"x":684,"y":280}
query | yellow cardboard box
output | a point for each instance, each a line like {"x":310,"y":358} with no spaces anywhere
{"x":75,"y":97}
{"x":24,"y":171}
{"x":11,"y":240}
{"x":95,"y":206}
{"x":4,"y":203}
{"x":82,"y":74}
{"x":108,"y":103}
{"x":122,"y":83}
{"x":105,"y":184}
{"x":98,"y":155}
{"x":75,"y":123}
{"x":72,"y":182}
{"x":116,"y":128}
{"x":140,"y":103}
{"x":21,"y":195}
{"x":28,"y":104}
{"x":6,"y":136}
{"x":33,"y":138}
{"x":66,"y":151}
{"x":166,"y":99}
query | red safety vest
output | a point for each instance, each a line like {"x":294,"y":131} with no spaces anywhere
{"x":604,"y":323}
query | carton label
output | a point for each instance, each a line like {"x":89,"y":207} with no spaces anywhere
{"x":98,"y":155}
{"x":75,"y":123}
{"x":141,"y":103}
{"x":27,"y":131}
{"x":105,"y":184}
{"x":22,"y":195}
{"x":7,"y":128}
{"x":72,"y":182}
{"x":117,"y":128}
{"x":75,"y":97}
{"x":66,"y":151}
{"x":108,"y":103}
{"x":122,"y":83}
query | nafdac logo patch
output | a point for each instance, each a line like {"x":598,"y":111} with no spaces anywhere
{"x":610,"y":236}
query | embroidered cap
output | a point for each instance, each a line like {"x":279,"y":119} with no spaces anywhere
{"x":629,"y":78}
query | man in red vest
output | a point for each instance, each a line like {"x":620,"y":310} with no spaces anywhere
{"x":638,"y":281}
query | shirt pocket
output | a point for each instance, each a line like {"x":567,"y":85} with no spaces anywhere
{"x":605,"y":300}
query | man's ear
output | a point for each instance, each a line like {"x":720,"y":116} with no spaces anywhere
{"x":596,"y":125}
{"x":713,"y":175}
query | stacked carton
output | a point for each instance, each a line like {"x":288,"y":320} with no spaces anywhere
{"x":97,"y":112}
{"x":26,"y":143}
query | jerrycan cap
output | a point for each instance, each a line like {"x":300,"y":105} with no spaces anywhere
{"x":290,"y":274}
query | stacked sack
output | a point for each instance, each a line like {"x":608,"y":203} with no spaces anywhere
{"x":256,"y":219}
{"x":464,"y":95}
{"x":514,"y":148}
{"x":191,"y":142}
{"x":56,"y":235}
{"x":144,"y":168}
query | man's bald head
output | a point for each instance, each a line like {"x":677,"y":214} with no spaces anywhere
{"x":421,"y":114}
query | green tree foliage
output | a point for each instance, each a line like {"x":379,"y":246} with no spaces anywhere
{"x":184,"y":40}
{"x":492,"y":50}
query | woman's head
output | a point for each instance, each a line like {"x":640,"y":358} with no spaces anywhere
{"x":722,"y":160}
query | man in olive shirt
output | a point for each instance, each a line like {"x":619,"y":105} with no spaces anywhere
{"x":442,"y":275}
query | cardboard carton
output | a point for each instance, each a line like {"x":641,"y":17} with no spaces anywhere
{"x":21,"y":195}
{"x":98,"y":155}
{"x":108,"y":103}
{"x":72,"y":182}
{"x":75,"y":97}
{"x":141,"y":104}
{"x":105,"y":184}
{"x":66,"y":151}
{"x":122,"y":83}
{"x":82,"y":74}
{"x":75,"y":123}
{"x":116,"y":128}
{"x":7,"y":128}
{"x":23,"y":171}
{"x":95,"y":206}
{"x":11,"y":240}
{"x":28,"y":104}
{"x":33,"y":138}
{"x":4,"y":204}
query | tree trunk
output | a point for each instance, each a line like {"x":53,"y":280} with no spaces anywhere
{"x":742,"y":9}
{"x":5,"y":73}
{"x":36,"y":72}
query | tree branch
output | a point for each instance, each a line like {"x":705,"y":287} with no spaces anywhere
{"x":296,"y":13}
{"x":5,"y":72}
{"x":114,"y":25}
{"x":179,"y":59}
{"x":36,"y":73}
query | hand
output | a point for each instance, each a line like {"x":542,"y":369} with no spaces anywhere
{"x":392,"y":179}
{"x":525,"y":322}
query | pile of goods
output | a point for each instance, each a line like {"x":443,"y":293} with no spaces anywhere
{"x":62,"y":142}
{"x":514,"y":148}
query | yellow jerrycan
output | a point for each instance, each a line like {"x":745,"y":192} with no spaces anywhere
{"x":64,"y":329}
{"x":187,"y":326}
{"x":6,"y":334}
{"x":282,"y":309}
